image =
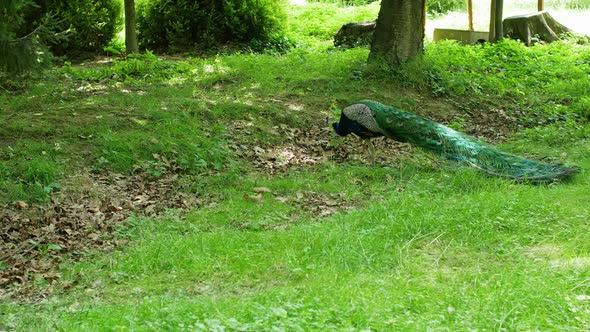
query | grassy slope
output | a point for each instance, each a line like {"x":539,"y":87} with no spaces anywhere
{"x":443,"y":250}
{"x":425,"y":247}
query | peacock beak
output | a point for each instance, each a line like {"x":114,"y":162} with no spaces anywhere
{"x":336,"y":127}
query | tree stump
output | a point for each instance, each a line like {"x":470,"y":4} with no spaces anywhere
{"x":539,"y":25}
{"x":355,"y":34}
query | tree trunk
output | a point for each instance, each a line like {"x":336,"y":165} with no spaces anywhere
{"x":399,"y":34}
{"x":130,"y":35}
{"x":498,"y":31}
{"x":492,"y":35}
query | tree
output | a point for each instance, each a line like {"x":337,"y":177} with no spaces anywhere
{"x":496,"y":27}
{"x":130,"y":35}
{"x":25,"y":53}
{"x":399,"y":34}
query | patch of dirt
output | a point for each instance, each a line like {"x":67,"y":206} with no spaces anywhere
{"x":322,"y":205}
{"x":490,"y":123}
{"x":314,"y":145}
{"x":317,"y":142}
{"x":317,"y":204}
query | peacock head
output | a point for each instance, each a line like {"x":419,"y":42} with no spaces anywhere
{"x":339,"y":129}
{"x":343,"y":127}
{"x":347,"y":126}
{"x":354,"y":119}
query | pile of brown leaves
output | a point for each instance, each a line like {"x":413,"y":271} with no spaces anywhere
{"x":33,"y":238}
{"x":315,"y":144}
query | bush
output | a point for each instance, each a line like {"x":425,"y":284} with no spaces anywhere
{"x":439,"y":7}
{"x":93,"y":23}
{"x":182,"y":24}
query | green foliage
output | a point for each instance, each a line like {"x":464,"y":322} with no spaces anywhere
{"x":91,"y":24}
{"x":10,"y":14}
{"x":578,"y":4}
{"x":115,"y":47}
{"x":179,"y":147}
{"x":20,"y":56}
{"x":255,"y":269}
{"x":509,"y":70}
{"x":23,"y":54}
{"x":28,"y":179}
{"x":439,"y":7}
{"x":142,"y":67}
{"x":182,"y":25}
{"x":276,"y":43}
{"x":564,"y":134}
{"x":569,"y":4}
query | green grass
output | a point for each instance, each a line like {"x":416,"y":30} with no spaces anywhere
{"x":452,"y":250}
{"x":341,"y":245}
{"x":317,"y":23}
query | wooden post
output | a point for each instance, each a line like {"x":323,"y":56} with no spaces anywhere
{"x":424,"y":16}
{"x":492,"y":29}
{"x":540,"y":5}
{"x":470,"y":13}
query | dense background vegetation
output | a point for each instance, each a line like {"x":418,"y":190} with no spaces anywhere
{"x":92,"y":24}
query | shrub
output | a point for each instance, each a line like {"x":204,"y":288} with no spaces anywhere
{"x":24,"y":55}
{"x":93,"y":23}
{"x":347,"y":2}
{"x":277,"y":44}
{"x":182,"y":24}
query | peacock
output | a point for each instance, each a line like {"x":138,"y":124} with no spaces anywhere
{"x":368,"y":119}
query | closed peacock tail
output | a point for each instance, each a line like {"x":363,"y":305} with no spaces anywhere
{"x":369,"y":119}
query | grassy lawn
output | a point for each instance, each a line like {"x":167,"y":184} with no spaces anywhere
{"x":209,"y":194}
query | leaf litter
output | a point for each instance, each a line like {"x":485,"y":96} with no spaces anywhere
{"x":34,"y":238}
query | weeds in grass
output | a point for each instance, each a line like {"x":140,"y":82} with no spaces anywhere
{"x":28,"y":179}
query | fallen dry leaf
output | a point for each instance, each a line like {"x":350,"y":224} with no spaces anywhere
{"x":21,"y":204}
{"x":255,"y":198}
{"x":261,"y":190}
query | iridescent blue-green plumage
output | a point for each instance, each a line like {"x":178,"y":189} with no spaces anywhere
{"x":369,"y":119}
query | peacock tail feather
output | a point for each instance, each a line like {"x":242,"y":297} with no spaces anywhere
{"x":370,"y":119}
